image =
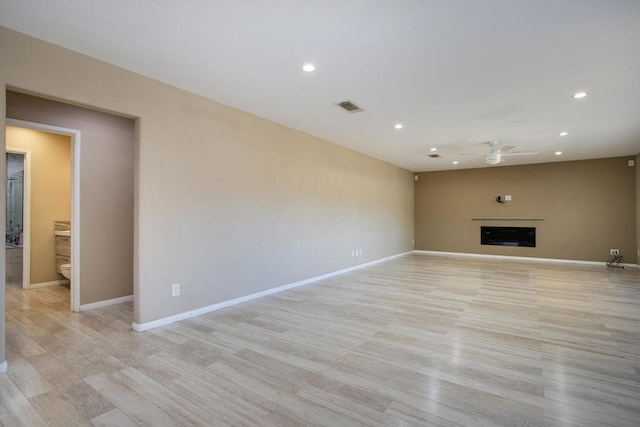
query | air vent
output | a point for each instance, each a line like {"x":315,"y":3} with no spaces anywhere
{"x":434,"y":156}
{"x":350,"y":106}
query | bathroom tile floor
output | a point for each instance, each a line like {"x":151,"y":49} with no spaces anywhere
{"x":419,"y":340}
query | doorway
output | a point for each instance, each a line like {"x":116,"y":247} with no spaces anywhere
{"x":67,"y":209}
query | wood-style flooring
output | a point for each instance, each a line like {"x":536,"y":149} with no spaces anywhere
{"x":419,"y":340}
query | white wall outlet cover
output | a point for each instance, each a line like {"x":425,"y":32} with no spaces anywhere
{"x":507,"y":197}
{"x":632,"y":163}
{"x":175,"y":289}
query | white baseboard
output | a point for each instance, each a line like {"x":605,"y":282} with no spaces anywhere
{"x":139,"y":327}
{"x":91,"y":306}
{"x":3,"y":367}
{"x":46,"y":284}
{"x":519,"y":258}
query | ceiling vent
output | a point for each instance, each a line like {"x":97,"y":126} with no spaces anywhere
{"x":434,"y":156}
{"x":350,"y":106}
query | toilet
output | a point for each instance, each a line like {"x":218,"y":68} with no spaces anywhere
{"x":65,"y":270}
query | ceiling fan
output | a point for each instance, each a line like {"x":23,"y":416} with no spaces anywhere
{"x":496,"y":154}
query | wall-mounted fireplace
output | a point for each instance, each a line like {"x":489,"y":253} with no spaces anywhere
{"x":508,"y":236}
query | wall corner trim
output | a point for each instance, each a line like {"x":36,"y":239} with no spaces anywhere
{"x":93,"y":305}
{"x":3,"y":367}
{"x":520,"y":258}
{"x":140,"y":327}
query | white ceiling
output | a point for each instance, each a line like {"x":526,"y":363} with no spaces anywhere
{"x":456,"y":73}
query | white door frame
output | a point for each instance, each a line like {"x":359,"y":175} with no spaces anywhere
{"x":75,"y":199}
{"x":26,"y":215}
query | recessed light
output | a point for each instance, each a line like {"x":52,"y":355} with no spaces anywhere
{"x":563,"y":133}
{"x":433,"y":149}
{"x":398,"y":126}
{"x":455,"y":162}
{"x":579,"y":95}
{"x":558,"y":153}
{"x":308,"y":68}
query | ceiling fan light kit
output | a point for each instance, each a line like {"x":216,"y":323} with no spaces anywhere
{"x":493,"y":158}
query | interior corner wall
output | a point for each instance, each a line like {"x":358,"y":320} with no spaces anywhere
{"x":50,"y":195}
{"x":227,"y":204}
{"x":583,"y":209}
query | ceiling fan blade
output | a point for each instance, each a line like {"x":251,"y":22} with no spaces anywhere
{"x":472,"y":154}
{"x":507,"y":148}
{"x":472,"y":159}
{"x":520,"y":153}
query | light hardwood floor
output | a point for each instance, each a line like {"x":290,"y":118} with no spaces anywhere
{"x":419,"y":340}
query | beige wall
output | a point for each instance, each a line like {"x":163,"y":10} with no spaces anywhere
{"x":50,"y":194}
{"x":226,"y":203}
{"x":106,"y":191}
{"x":587,"y":207}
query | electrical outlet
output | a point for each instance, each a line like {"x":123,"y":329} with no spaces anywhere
{"x":614,"y":252}
{"x":175,"y":289}
{"x":359,"y":252}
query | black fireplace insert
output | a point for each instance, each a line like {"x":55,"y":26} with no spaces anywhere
{"x":508,"y":236}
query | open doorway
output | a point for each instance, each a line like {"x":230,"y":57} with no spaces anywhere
{"x":102,"y":229}
{"x":44,"y":233}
